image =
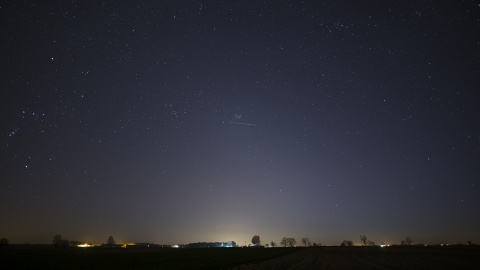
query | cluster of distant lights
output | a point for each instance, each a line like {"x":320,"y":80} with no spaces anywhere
{"x":125,"y":245}
{"x":86,"y":245}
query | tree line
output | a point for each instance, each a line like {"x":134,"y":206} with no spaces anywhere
{"x":59,"y":242}
{"x":291,"y":242}
{"x":285,"y":242}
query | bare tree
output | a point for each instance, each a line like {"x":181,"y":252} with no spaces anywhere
{"x":346,"y":243}
{"x":408,"y":240}
{"x":306,"y":241}
{"x":363,"y":240}
{"x":291,"y":242}
{"x":284,"y":242}
{"x":273,"y":244}
{"x":110,"y":241}
{"x":256,"y":240}
{"x":57,"y":241}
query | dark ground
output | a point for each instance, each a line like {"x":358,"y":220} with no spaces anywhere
{"x":375,"y":258}
{"x":242,"y":258}
{"x":135,"y":258}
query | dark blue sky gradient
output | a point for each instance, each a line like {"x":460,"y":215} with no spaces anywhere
{"x":185,"y":121}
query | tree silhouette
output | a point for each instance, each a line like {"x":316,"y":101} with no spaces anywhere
{"x":346,"y":243}
{"x":273,"y":244}
{"x":408,"y":240}
{"x":284,"y":242}
{"x":256,"y":240}
{"x":363,"y":240}
{"x":110,"y":241}
{"x":57,"y":241}
{"x":306,"y":241}
{"x":291,"y":242}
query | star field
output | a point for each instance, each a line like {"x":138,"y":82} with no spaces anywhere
{"x":188,"y":121}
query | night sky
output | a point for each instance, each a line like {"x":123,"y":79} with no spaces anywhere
{"x":185,"y":121}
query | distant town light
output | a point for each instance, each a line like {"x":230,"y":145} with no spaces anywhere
{"x":86,"y":245}
{"x":125,"y":245}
